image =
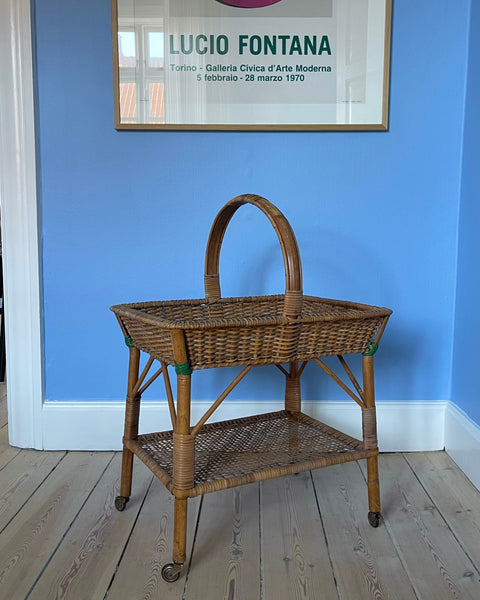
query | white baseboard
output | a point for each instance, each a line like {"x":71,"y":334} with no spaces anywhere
{"x":462,"y":442}
{"x":402,"y":426}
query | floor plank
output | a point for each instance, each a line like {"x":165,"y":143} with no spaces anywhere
{"x":454,"y":495}
{"x":7,"y":452}
{"x":30,"y":539}
{"x":150,"y":547}
{"x":84,"y":562}
{"x":295,"y":538}
{"x":364,"y":559}
{"x":226,"y":557}
{"x":437,"y":566}
{"x":295,"y":558}
{"x":3,"y":405}
{"x":21,"y":477}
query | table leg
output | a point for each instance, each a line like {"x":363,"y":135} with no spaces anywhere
{"x":293,"y":399}
{"x":369,"y":421}
{"x":132,"y":414}
{"x":183,"y":474}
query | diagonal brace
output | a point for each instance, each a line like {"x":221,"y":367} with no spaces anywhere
{"x":337,"y":380}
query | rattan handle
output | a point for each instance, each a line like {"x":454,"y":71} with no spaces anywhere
{"x":288,"y":243}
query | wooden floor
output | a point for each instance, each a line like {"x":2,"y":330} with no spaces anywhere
{"x":303,"y":536}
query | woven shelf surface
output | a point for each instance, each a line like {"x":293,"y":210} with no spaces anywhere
{"x":252,"y":449}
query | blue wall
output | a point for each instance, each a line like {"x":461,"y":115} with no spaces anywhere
{"x":467,"y":325}
{"x":126,"y":214}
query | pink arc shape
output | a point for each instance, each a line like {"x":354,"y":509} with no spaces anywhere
{"x":249,"y":3}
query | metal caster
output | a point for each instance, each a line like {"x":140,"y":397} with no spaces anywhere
{"x":374,"y":518}
{"x":120,"y":503}
{"x":171,"y":572}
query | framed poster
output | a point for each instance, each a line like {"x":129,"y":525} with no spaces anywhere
{"x":251,"y":64}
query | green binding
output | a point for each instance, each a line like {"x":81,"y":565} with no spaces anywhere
{"x":372,"y":348}
{"x":129,"y":341}
{"x":183,"y":368}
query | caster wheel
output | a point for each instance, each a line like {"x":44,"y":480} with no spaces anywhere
{"x":374,"y":518}
{"x":171,"y":572}
{"x":120,"y":503}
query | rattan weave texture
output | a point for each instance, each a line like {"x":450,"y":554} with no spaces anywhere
{"x":250,"y":330}
{"x":239,"y":331}
{"x":288,"y":331}
{"x":253,"y":449}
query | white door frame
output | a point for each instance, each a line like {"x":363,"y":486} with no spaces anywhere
{"x":20,"y":227}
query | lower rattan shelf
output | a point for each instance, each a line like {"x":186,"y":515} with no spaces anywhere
{"x":240,"y":451}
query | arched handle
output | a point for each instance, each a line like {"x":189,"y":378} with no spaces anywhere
{"x":288,"y":243}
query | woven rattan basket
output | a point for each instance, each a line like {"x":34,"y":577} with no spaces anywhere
{"x":255,"y":330}
{"x":283,"y":330}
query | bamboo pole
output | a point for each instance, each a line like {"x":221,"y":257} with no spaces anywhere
{"x":151,"y":380}
{"x":352,"y":377}
{"x":132,"y":413}
{"x":370,"y":439}
{"x":168,"y":389}
{"x":293,"y":398}
{"x":141,"y":379}
{"x":337,"y":380}
{"x":220,"y":399}
{"x":183,"y":451}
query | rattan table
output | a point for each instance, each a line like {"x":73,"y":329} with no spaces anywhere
{"x":287,"y":331}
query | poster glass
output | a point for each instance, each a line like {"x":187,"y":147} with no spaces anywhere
{"x":251,"y":64}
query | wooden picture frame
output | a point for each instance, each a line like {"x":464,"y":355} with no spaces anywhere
{"x":251,"y":65}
